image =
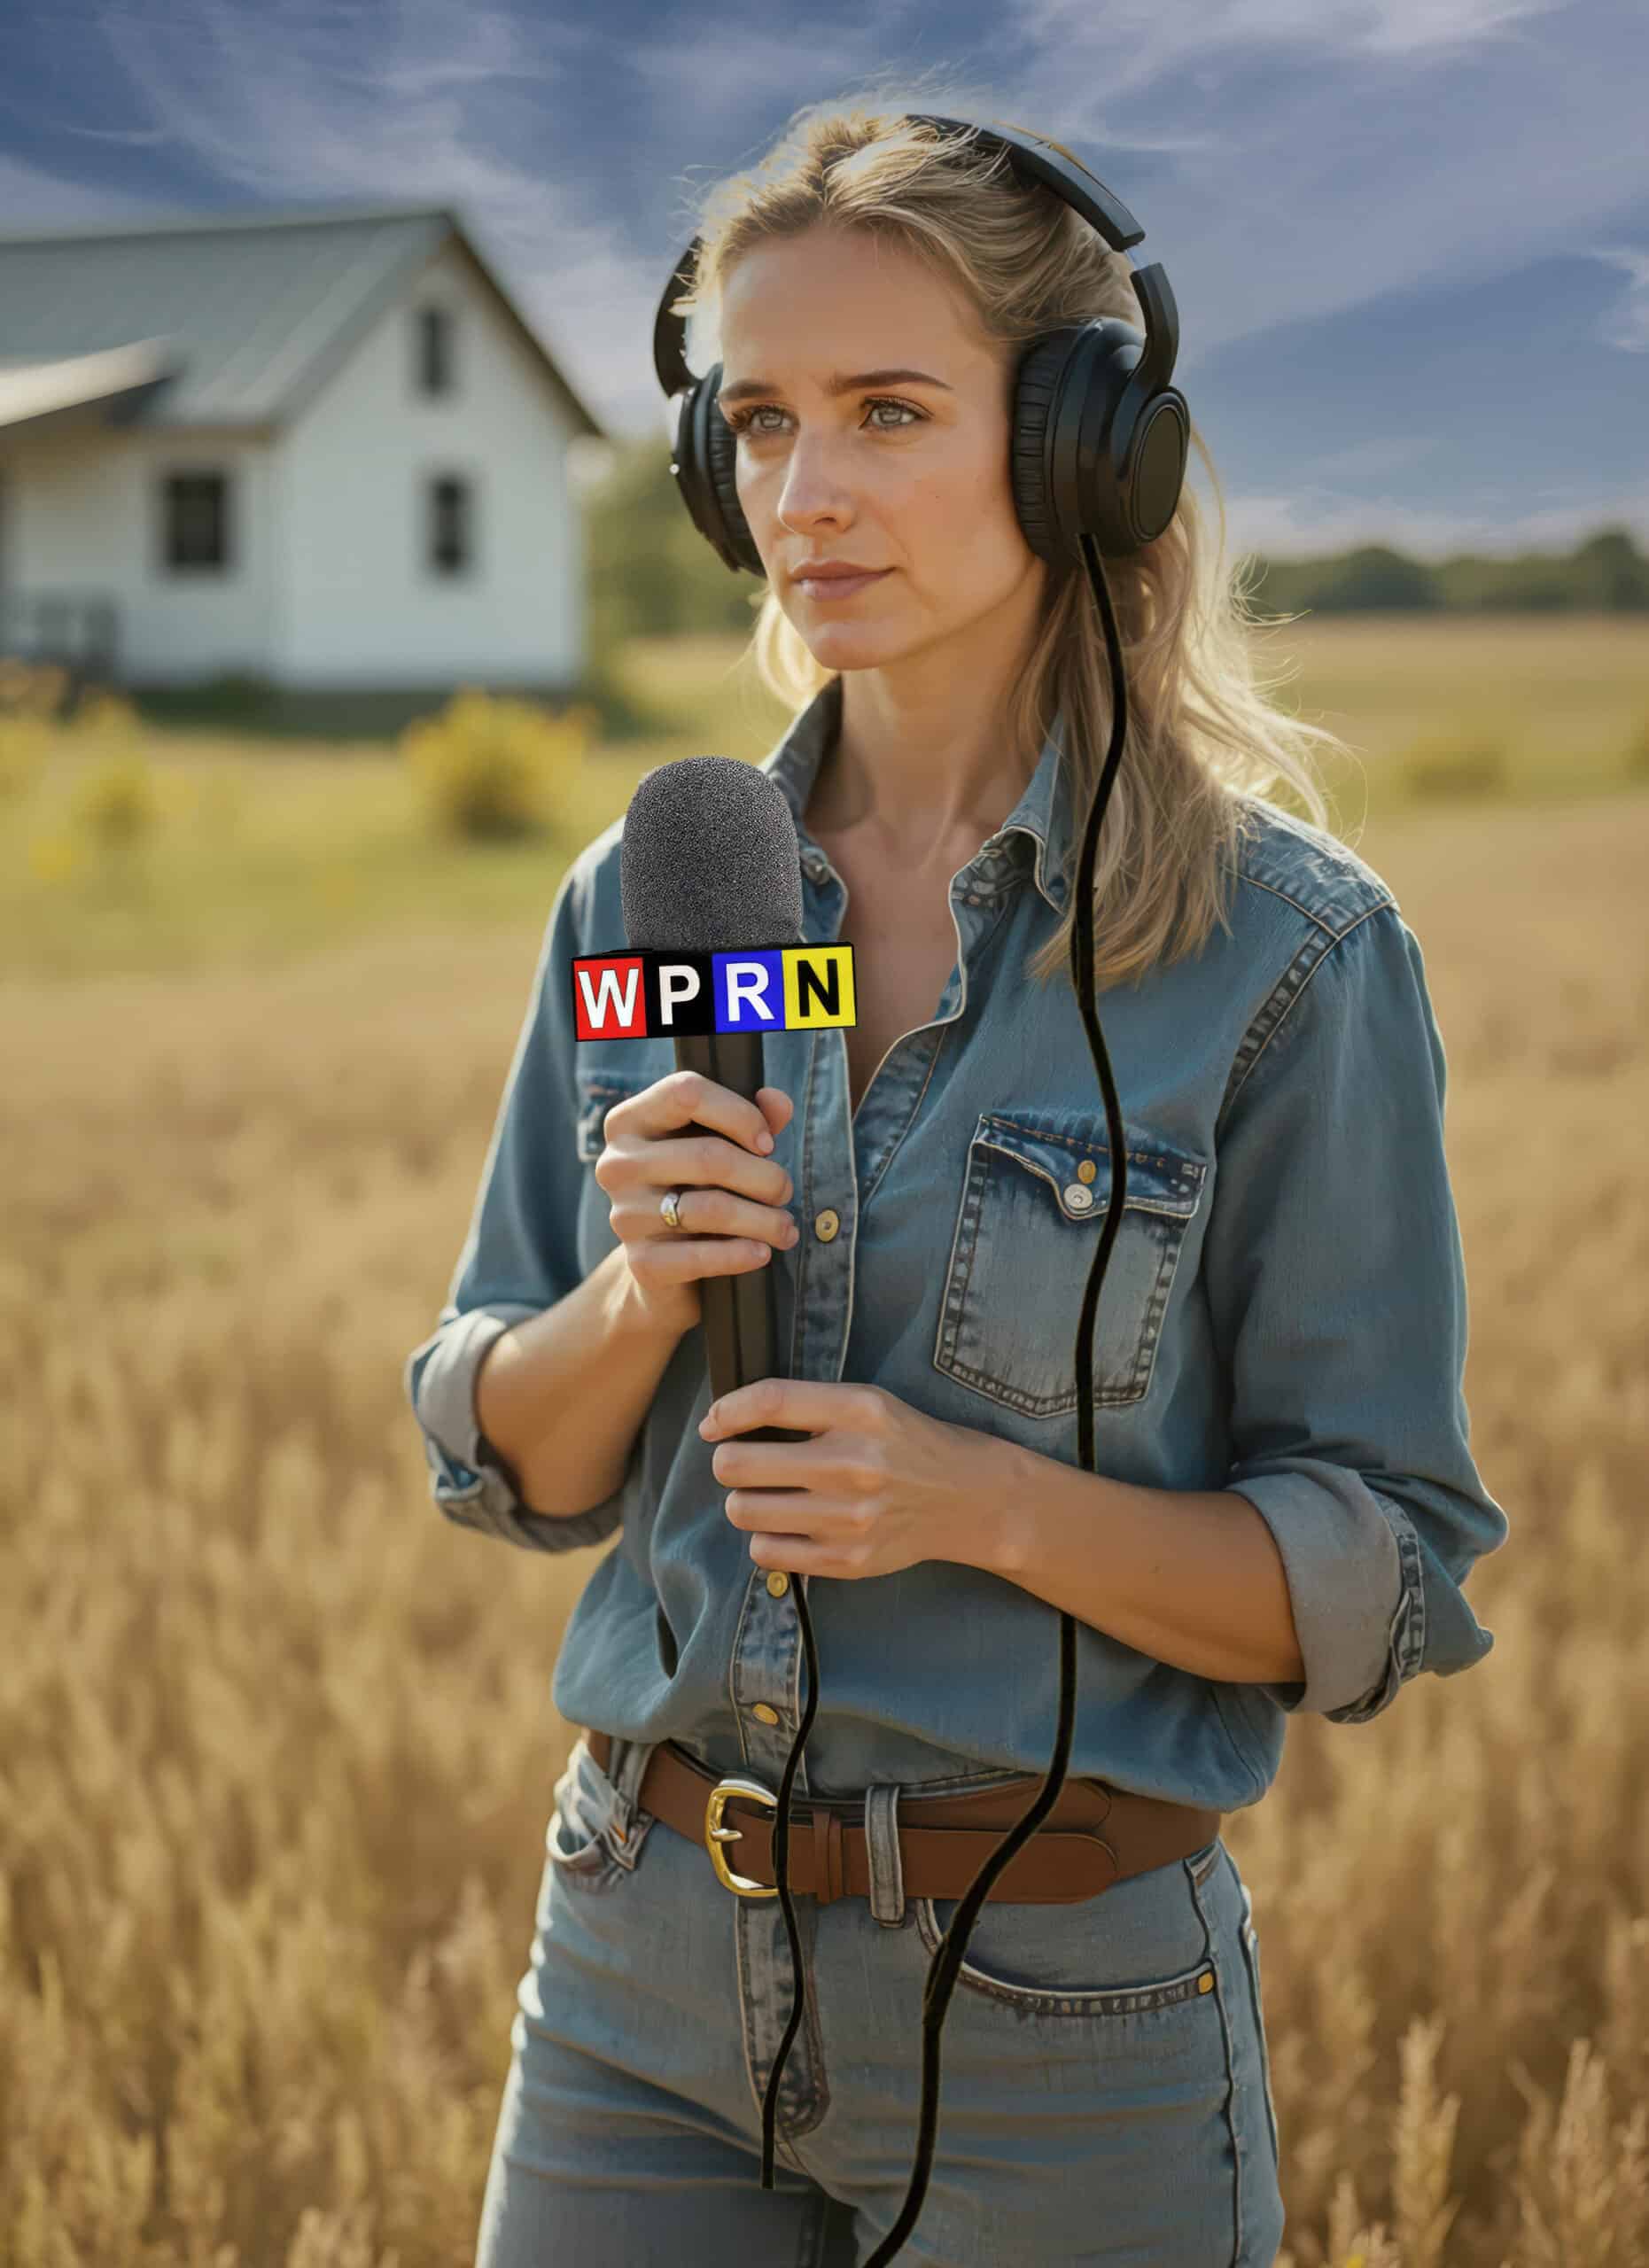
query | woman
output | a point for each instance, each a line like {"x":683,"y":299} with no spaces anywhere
{"x":1285,"y":1507}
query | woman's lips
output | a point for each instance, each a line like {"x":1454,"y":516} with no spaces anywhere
{"x":838,"y":586}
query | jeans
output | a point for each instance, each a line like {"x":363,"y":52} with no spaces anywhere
{"x":1105,"y":2089}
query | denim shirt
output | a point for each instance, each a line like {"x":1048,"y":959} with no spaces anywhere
{"x":1283,"y":1315}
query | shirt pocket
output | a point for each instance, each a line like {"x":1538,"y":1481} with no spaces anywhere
{"x":1032,"y":1205}
{"x":600,"y":1084}
{"x":604,"y":1079}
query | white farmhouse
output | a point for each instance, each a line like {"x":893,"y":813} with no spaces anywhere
{"x":323,"y":448}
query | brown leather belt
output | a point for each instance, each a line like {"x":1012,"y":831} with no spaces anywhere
{"x":1094,"y":1835}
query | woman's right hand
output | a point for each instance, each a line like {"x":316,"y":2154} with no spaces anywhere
{"x":732,"y":1198}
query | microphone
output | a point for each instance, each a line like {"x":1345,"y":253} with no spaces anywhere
{"x":710,"y":860}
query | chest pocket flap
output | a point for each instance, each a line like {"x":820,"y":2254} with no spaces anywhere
{"x":1035,"y":1191}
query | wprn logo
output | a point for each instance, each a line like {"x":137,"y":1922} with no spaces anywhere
{"x":654,"y":994}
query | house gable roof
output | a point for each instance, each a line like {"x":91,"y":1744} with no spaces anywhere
{"x":226,"y":321}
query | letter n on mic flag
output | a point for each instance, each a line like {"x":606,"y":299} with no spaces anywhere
{"x":651,"y":993}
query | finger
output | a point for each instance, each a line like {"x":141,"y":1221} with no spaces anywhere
{"x":782,"y":1515}
{"x":808,"y":1464}
{"x":777,"y":1107}
{"x":675,"y":1259}
{"x":807,"y":1405}
{"x":658,"y":1154}
{"x":707,"y":1210}
{"x":685,"y":1098}
{"x":807,"y":1556}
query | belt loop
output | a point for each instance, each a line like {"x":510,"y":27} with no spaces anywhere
{"x":828,"y":1872}
{"x":625,"y":1768}
{"x":881,"y":1841}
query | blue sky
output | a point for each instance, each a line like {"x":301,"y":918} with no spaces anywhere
{"x":1409,"y":239}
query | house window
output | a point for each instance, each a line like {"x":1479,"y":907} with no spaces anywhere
{"x":450,"y":543}
{"x":435,"y":356}
{"x":195,"y":531}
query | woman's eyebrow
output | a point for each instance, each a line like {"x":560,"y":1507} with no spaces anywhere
{"x":839,"y":383}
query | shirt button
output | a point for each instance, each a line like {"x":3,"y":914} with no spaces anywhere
{"x":1078,"y":1197}
{"x":826,"y":1224}
{"x":1086,"y":1171}
{"x":768,"y":1716}
{"x":778,"y":1582}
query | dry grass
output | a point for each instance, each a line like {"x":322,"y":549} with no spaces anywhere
{"x":276,"y":1741}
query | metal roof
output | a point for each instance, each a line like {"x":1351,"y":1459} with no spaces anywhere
{"x":249,"y":314}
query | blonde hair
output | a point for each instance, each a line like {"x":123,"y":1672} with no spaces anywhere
{"x":1202,"y":740}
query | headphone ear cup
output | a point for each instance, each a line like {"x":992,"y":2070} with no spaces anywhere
{"x":721,"y":448}
{"x":1031,"y":468}
{"x":703,"y":465}
{"x":1076,"y":411}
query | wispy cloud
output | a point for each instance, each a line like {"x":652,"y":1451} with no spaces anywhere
{"x":275,"y":102}
{"x":1627,"y":323}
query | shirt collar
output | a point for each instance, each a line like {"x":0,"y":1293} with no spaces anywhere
{"x":1036,"y":833}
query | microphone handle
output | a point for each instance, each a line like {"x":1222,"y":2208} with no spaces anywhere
{"x":738,"y":1310}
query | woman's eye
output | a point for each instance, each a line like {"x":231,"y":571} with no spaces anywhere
{"x":740,"y":422}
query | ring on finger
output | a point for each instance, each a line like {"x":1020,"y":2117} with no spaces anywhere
{"x":670,"y":1205}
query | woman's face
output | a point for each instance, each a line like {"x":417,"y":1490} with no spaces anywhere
{"x":897,"y":474}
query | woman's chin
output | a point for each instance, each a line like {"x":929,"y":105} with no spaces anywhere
{"x":834,"y":643}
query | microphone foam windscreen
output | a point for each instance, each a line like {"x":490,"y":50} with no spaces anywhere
{"x":709,"y":859}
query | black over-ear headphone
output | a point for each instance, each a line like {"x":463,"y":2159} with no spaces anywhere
{"x":1099,"y":435}
{"x":1099,"y":440}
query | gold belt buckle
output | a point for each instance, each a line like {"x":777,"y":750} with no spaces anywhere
{"x":716,"y":1834}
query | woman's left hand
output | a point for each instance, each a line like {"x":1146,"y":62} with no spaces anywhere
{"x":881,"y":1486}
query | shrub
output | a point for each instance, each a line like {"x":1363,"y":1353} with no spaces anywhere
{"x":102,"y":715}
{"x":118,"y":801}
{"x":25,"y":750}
{"x":35,"y":689}
{"x":493,"y":767}
{"x":1438,"y":766}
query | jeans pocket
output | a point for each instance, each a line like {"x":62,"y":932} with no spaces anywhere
{"x":1136,"y":1955}
{"x":587,"y":1841}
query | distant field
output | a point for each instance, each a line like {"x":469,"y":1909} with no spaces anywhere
{"x":274,"y":849}
{"x":1565,"y":697}
{"x":276,"y":1745}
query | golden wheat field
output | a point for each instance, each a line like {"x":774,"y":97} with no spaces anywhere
{"x":276,"y":1745}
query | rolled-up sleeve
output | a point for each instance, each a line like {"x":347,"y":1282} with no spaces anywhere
{"x":519,"y":1257}
{"x":1336,"y":1284}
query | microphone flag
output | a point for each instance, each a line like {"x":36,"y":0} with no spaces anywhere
{"x":660,"y":993}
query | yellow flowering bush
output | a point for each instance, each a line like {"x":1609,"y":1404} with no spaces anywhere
{"x":25,"y":750}
{"x":31,"y":688}
{"x":495,"y":766}
{"x":106,"y":716}
{"x":118,"y":801}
